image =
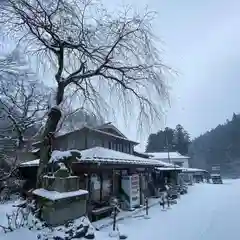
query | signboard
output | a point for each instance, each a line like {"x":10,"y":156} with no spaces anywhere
{"x":215,"y":168}
{"x":96,"y":182}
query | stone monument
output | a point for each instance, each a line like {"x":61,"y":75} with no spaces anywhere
{"x":60,"y":198}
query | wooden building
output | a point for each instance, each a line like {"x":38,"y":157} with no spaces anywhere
{"x":108,"y":167}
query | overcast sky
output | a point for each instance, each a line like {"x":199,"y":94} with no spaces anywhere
{"x":202,"y":42}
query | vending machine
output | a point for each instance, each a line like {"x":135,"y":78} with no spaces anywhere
{"x":131,"y":190}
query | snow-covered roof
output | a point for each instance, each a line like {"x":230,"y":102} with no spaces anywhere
{"x":193,"y":170}
{"x":111,"y":126}
{"x":141,"y":153}
{"x":54,"y":195}
{"x":107,"y":156}
{"x":97,"y":130}
{"x":177,"y":168}
{"x":168,"y":169}
{"x":215,"y":175}
{"x":30,"y":163}
{"x":164,"y":155}
{"x":58,"y":155}
{"x":35,"y":150}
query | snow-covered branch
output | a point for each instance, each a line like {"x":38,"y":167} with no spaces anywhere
{"x":109,"y":60}
{"x":94,"y":52}
{"x":23,"y":98}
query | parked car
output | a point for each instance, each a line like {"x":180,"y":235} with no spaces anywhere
{"x":216,"y":179}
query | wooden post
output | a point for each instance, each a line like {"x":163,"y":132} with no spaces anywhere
{"x":113,"y":183}
{"x":112,"y":187}
{"x":168,"y":201}
{"x":140,"y":188}
{"x":147,"y":182}
{"x":114,"y":217}
{"x":101,"y":186}
{"x":146,"y":202}
{"x":143,"y":193}
{"x":89,"y":202}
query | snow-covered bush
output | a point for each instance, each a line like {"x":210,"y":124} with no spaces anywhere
{"x":22,"y":216}
{"x":25,"y":215}
{"x":80,"y":228}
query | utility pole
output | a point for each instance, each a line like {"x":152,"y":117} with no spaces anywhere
{"x":166,"y":136}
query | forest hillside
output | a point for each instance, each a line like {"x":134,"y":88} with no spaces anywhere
{"x":219,"y":146}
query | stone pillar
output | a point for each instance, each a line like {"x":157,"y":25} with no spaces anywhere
{"x":61,"y":199}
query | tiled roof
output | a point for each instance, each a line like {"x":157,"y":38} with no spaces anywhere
{"x":108,"y":156}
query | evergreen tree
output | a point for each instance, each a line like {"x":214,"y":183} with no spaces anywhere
{"x":220,"y":146}
{"x":169,"y":139}
{"x":182,"y":140}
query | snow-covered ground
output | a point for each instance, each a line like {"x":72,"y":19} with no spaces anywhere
{"x":207,"y":212}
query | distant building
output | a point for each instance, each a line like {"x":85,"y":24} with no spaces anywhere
{"x":171,"y":157}
{"x":106,"y":136}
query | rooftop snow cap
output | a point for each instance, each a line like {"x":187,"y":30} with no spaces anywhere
{"x":164,"y":155}
{"x":104,"y":156}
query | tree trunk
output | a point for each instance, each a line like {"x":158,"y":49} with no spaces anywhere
{"x":53,"y":118}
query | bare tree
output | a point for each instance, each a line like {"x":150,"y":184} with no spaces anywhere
{"x":23,"y":103}
{"x":23,"y":99}
{"x":93,"y":53}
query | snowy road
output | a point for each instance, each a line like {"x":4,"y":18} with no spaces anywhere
{"x":208,"y":212}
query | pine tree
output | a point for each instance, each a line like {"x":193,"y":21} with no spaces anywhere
{"x":169,"y":139}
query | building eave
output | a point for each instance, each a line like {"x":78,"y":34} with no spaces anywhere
{"x":104,"y":156}
{"x":110,"y":125}
{"x":94,"y":130}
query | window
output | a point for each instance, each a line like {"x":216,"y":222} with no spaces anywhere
{"x":129,"y":148}
{"x":110,"y":145}
{"x":126,"y":148}
{"x":122,"y":148}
